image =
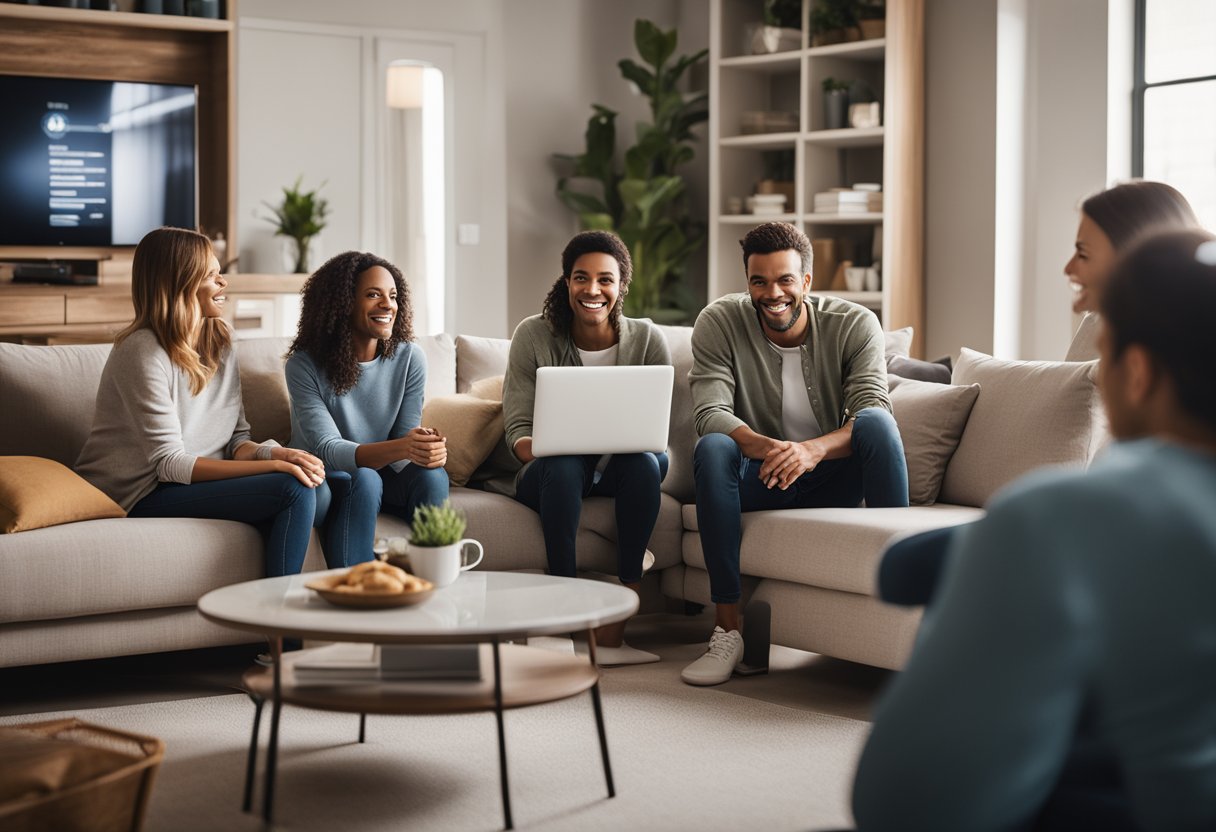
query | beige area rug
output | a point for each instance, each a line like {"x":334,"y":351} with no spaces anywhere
{"x":684,"y":758}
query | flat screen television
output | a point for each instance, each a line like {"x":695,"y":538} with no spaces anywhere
{"x":95,"y":163}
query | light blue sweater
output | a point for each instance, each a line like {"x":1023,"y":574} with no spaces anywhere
{"x":385,"y":403}
{"x":1081,"y":610}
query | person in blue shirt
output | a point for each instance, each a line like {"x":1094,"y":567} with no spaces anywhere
{"x":1065,"y":676}
{"x":356,"y":381}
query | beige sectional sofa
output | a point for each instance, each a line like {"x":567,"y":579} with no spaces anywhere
{"x":124,"y":586}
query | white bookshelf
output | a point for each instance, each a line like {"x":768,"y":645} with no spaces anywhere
{"x":892,"y":154}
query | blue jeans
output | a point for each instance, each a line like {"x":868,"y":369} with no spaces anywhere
{"x":555,"y":486}
{"x":347,"y":507}
{"x":728,"y":484}
{"x":411,"y":487}
{"x":279,"y":505}
{"x":911,"y":568}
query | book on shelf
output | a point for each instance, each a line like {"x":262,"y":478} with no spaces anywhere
{"x":338,"y":663}
{"x":345,"y":663}
{"x":843,"y":200}
{"x":405,"y":662}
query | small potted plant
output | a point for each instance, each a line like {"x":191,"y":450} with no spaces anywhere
{"x":778,"y":175}
{"x":835,"y":103}
{"x":872,"y":18}
{"x":781,"y":29}
{"x":299,"y":217}
{"x":833,"y":21}
{"x":437,"y":542}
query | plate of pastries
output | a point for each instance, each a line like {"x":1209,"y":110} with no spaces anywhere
{"x":372,"y":585}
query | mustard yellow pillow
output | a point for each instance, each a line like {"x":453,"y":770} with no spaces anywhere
{"x":36,"y":493}
{"x":472,"y":425}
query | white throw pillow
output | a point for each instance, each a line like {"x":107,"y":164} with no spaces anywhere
{"x":1029,"y":414}
{"x":931,"y":418}
{"x":478,"y":358}
{"x":898,"y":342}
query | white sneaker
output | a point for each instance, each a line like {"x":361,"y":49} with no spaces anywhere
{"x":719,"y":662}
{"x":647,"y":561}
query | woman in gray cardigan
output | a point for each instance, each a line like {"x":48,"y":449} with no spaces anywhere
{"x":581,"y":325}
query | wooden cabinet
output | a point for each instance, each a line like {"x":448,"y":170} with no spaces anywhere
{"x":768,"y":121}
{"x":122,"y":46}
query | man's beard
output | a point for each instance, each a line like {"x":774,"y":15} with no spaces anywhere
{"x":774,"y":327}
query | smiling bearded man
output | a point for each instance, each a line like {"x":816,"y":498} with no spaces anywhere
{"x":790,"y":400}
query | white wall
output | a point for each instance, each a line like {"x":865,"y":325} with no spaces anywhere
{"x":960,"y":174}
{"x":561,"y":57}
{"x":1017,"y":98}
{"x":547,"y":61}
{"x":320,"y":131}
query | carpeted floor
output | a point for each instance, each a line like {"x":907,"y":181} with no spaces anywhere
{"x":774,"y":752}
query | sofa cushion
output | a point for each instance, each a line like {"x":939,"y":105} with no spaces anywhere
{"x":931,"y":418}
{"x":472,"y":425}
{"x":1028,"y":414}
{"x":37,"y":492}
{"x":132,"y":563}
{"x":478,"y":358}
{"x":511,"y":532}
{"x":833,"y":548}
{"x":440,"y":353}
{"x":264,"y":388}
{"x":48,"y":395}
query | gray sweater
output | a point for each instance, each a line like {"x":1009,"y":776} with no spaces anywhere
{"x":148,"y":427}
{"x":736,"y":374}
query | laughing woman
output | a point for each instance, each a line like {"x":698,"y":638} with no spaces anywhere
{"x":581,"y":325}
{"x":356,"y":381}
{"x":169,"y":436}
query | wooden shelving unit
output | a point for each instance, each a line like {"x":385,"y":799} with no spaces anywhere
{"x":892,"y":154}
{"x":126,"y":46}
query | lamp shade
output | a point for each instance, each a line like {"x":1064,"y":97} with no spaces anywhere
{"x":405,"y":86}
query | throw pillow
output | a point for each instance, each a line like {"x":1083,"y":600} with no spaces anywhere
{"x":473,"y":426}
{"x":898,"y":342}
{"x":1030,"y":414}
{"x":913,"y":368}
{"x":931,"y":418}
{"x":487,"y":388}
{"x":478,"y":358}
{"x":36,"y":493}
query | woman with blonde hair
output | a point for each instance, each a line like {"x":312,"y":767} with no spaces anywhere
{"x":169,"y":436}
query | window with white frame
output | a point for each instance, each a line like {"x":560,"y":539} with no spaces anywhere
{"x":1174,"y":104}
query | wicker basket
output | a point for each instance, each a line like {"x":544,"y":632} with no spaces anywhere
{"x":113,"y":797}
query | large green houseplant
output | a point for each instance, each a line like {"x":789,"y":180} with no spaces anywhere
{"x":300,"y":217}
{"x":644,"y":203}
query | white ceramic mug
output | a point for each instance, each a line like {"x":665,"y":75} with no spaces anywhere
{"x":441,"y":565}
{"x":855,"y":278}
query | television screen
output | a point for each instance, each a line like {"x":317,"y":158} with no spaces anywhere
{"x":95,"y":163}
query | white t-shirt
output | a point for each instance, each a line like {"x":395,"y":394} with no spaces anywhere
{"x":798,"y":421}
{"x":599,"y":358}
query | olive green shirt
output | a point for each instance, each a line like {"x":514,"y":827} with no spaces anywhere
{"x":736,"y":374}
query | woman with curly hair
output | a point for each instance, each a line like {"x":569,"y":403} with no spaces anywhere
{"x":581,"y":325}
{"x":169,"y":436}
{"x":356,"y":381}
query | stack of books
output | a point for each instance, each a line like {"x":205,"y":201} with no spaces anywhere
{"x":343,"y":663}
{"x":848,"y":201}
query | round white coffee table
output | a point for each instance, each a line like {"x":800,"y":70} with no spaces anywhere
{"x":480,"y":607}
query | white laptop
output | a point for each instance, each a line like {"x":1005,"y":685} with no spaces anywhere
{"x":601,"y":410}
